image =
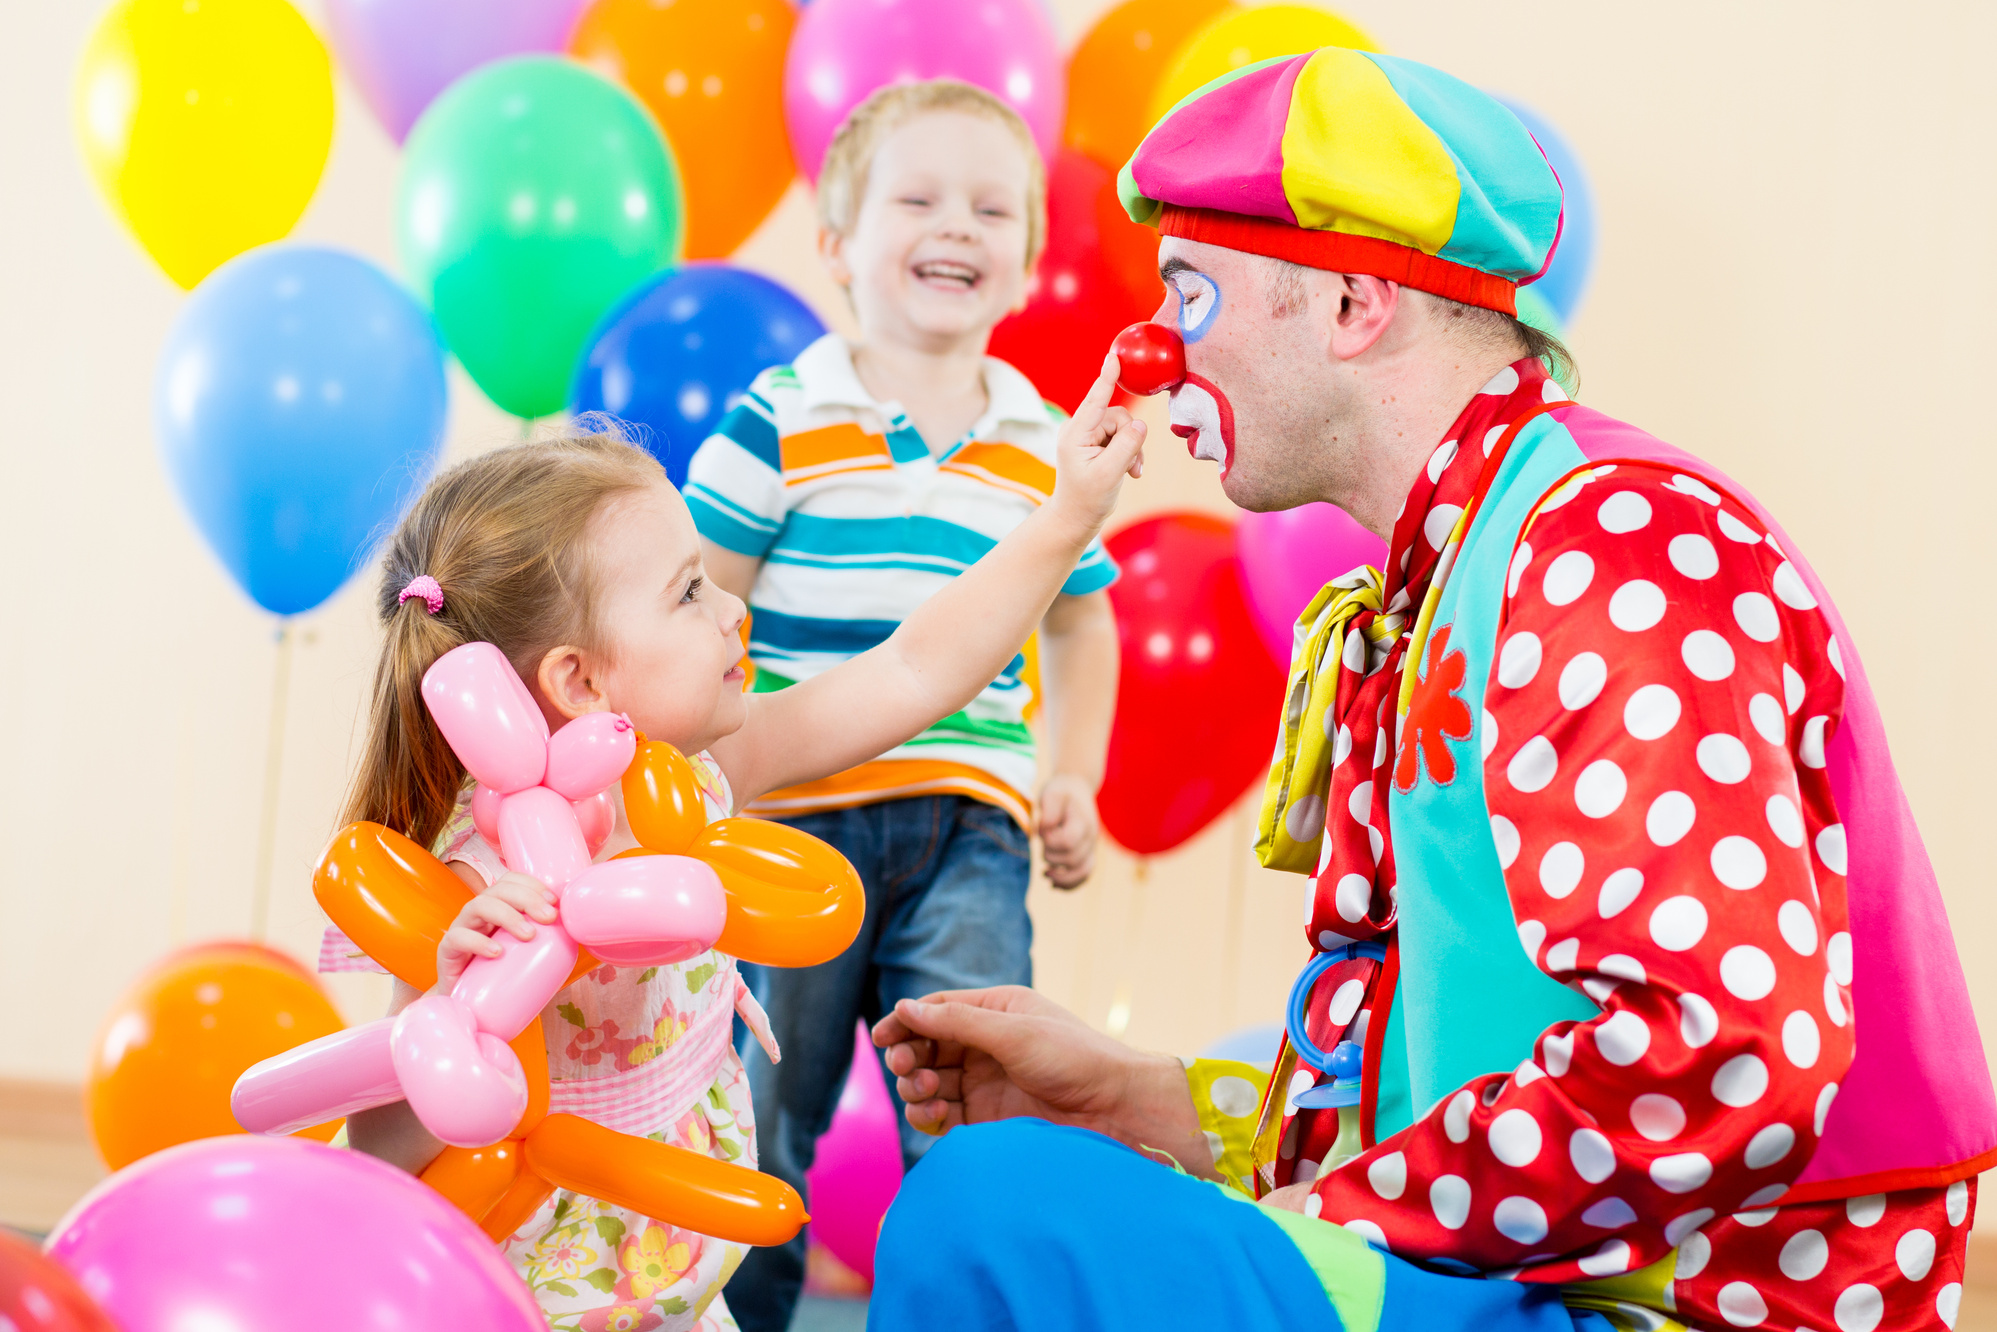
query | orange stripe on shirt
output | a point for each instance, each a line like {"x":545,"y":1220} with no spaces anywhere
{"x":811,"y":454}
{"x":892,"y":779}
{"x":1004,"y":465}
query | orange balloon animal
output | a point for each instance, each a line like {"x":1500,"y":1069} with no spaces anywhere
{"x":792,"y":901}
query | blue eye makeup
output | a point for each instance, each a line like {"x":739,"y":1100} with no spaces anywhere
{"x":1199,"y":303}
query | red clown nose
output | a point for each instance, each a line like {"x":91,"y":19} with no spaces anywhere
{"x":1150,"y":359}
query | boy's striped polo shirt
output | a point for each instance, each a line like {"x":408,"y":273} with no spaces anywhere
{"x":857,"y":524}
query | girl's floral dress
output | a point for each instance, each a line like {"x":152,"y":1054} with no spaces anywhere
{"x":644,"y":1051}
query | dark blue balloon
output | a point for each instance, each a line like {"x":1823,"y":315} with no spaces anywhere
{"x":1565,"y":282}
{"x":681,"y":348}
{"x":300,"y":405}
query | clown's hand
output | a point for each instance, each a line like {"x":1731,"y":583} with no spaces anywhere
{"x":1098,"y":446}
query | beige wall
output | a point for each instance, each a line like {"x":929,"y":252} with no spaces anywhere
{"x":1793,"y":280}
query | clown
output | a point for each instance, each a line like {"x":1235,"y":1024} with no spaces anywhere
{"x":1615,"y":892}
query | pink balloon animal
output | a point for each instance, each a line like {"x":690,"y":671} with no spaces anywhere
{"x":544,"y":801}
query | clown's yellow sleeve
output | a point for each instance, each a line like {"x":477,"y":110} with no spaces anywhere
{"x":1227,"y":1093}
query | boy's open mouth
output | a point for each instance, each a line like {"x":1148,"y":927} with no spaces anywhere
{"x":947,"y":275}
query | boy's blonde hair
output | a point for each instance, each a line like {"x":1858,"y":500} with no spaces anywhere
{"x":842,"y":180}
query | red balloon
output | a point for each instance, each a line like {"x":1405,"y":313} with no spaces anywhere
{"x":1075,"y":302}
{"x":1150,"y":358}
{"x":1199,"y":695}
{"x":37,"y":1295}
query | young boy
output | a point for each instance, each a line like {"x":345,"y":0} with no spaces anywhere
{"x":846,"y":489}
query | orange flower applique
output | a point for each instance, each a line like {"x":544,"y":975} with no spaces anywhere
{"x":1435,"y":717}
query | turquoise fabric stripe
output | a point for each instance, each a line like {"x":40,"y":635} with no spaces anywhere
{"x":755,"y":431}
{"x":905,"y":442}
{"x":1095,"y":572}
{"x":1509,"y":208}
{"x":934,"y":541}
{"x":722,"y":523}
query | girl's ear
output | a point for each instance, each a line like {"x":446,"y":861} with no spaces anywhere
{"x":565,"y":685}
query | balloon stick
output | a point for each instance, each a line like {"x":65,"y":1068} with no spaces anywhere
{"x":1239,"y":848}
{"x":1118,"y":1021}
{"x":280,"y":692}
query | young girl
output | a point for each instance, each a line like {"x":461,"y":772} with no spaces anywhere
{"x":579,"y":561}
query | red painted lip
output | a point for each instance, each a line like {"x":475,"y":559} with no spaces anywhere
{"x":1226,"y":410}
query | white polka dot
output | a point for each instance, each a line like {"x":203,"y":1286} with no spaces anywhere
{"x":1792,"y":689}
{"x":1736,"y":530}
{"x":1456,"y":1116}
{"x":1754,"y":1217}
{"x":1599,"y":790}
{"x":1305,"y":1172}
{"x":1770,"y":1145}
{"x":1313,"y":1203}
{"x":1438,"y":462}
{"x":1755,"y":614}
{"x":1234,"y":1097}
{"x":1441,"y":521}
{"x":1389,"y":1175}
{"x":1678,"y":923}
{"x":1693,"y":556}
{"x":1678,"y":1227}
{"x":1488,"y":732}
{"x":1837,"y":954}
{"x":1515,"y":1138}
{"x":1623,"y":967}
{"x":1300,"y":1082}
{"x":1592,"y":1155}
{"x":1798,"y":925}
{"x":1366,"y":1230}
{"x":1770,"y":722}
{"x":1859,"y":1308}
{"x":1505,"y":837}
{"x":1449,"y":1199}
{"x":1618,"y":891}
{"x":1560,"y":869}
{"x":1360,"y":803}
{"x":1354,"y":898}
{"x":1742,"y":1305}
{"x":1345,"y":1002}
{"x":1825,"y":1099}
{"x":1305,"y":819}
{"x":1520,"y":559}
{"x":1534,"y":766}
{"x":1566,"y":493}
{"x":1532,"y":934}
{"x":1216,"y":1148}
{"x":1518,"y":660}
{"x":1613,"y":1257}
{"x":1915,"y":1254}
{"x":1693,"y":1255}
{"x":1341,"y":746}
{"x":1504,"y":382}
{"x":1834,"y":1008}
{"x":1651,"y":712}
{"x":1784,"y":820}
{"x":1681,"y":1173}
{"x":1557,"y":1052}
{"x":1623,"y":1039}
{"x":1610,"y":1214}
{"x":1790,"y":587}
{"x":1526,"y":1074}
{"x":1738,"y":863}
{"x":1810,"y":749}
{"x":1707,"y":655}
{"x":1948,"y":1304}
{"x":1697,"y":489}
{"x":1563,"y":955}
{"x":1804,"y":1255}
{"x":1550,"y":391}
{"x":1764,"y":1196}
{"x":1491,"y":438}
{"x":1724,"y":758}
{"x":1747,"y":972}
{"x":1581,"y":680}
{"x":1741,"y":1081}
{"x":1697,"y":1022}
{"x":1830,"y":848}
{"x":1657,"y":1117}
{"x":1520,"y":1220}
{"x":1567,"y":577}
{"x":1956,"y":1199}
{"x":1670,"y":818}
{"x":1624,"y":511}
{"x":1836,"y":655}
{"x":1801,"y":1041}
{"x":1867,"y":1210}
{"x":1636,"y":606}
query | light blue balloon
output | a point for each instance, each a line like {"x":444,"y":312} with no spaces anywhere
{"x":1567,"y":280}
{"x":300,"y":404}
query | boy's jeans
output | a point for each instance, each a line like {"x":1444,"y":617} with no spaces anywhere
{"x":946,"y":909}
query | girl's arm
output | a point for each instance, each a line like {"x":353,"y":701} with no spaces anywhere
{"x":959,"y":640}
{"x":1078,"y":672}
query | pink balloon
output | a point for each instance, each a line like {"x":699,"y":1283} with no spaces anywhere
{"x":491,"y":722}
{"x":858,"y":1167}
{"x":330,"y":1078}
{"x":242,"y":1234}
{"x":466,"y":1085}
{"x":649,"y":911}
{"x":596,"y":816}
{"x":590,"y":753}
{"x":1288,"y":556}
{"x":845,"y":49}
{"x":402,"y":53}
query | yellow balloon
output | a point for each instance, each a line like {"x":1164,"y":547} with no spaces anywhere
{"x":1244,"y":36}
{"x":206,"y":123}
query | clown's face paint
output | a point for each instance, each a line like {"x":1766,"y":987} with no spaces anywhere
{"x":1199,"y":303}
{"x":1203,"y":417}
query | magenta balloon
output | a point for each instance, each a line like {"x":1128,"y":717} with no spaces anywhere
{"x":243,"y":1234}
{"x":1288,"y":556}
{"x":858,"y":1167}
{"x":402,"y":53}
{"x":845,"y":49}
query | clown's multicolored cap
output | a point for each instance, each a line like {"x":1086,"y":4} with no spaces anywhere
{"x":1358,"y":163}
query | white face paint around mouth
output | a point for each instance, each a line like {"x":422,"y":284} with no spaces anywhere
{"x":1202,"y":416}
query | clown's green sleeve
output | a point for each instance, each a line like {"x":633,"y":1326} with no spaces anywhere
{"x":1227,"y":1093}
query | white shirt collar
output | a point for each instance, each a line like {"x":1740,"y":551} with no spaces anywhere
{"x":826,"y":378}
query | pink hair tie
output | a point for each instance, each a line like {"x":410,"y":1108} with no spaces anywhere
{"x":424,"y":586}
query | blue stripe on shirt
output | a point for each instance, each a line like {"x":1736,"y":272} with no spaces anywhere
{"x":755,"y":432}
{"x":811,"y":536}
{"x":723,"y":525}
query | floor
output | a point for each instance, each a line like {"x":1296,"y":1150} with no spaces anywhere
{"x":815,"y":1314}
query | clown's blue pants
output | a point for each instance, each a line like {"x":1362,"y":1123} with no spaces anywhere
{"x":1026,"y":1226}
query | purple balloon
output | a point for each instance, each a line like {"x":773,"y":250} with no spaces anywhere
{"x":1288,"y":556}
{"x":843,"y":50}
{"x":402,"y":53}
{"x":247,"y":1234}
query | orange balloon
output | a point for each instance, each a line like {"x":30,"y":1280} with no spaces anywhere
{"x":793,"y":901}
{"x":1116,"y":67}
{"x":520,"y":1201}
{"x":712,"y":72}
{"x":688,"y":1188}
{"x":391,"y":897}
{"x":662,"y":799}
{"x":474,"y":1179}
{"x":174,"y":1044}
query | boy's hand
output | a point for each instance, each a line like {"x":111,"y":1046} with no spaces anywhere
{"x":1098,"y":447}
{"x":1068,"y":830}
{"x":512,"y":904}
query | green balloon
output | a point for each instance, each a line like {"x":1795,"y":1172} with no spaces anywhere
{"x":533,"y":195}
